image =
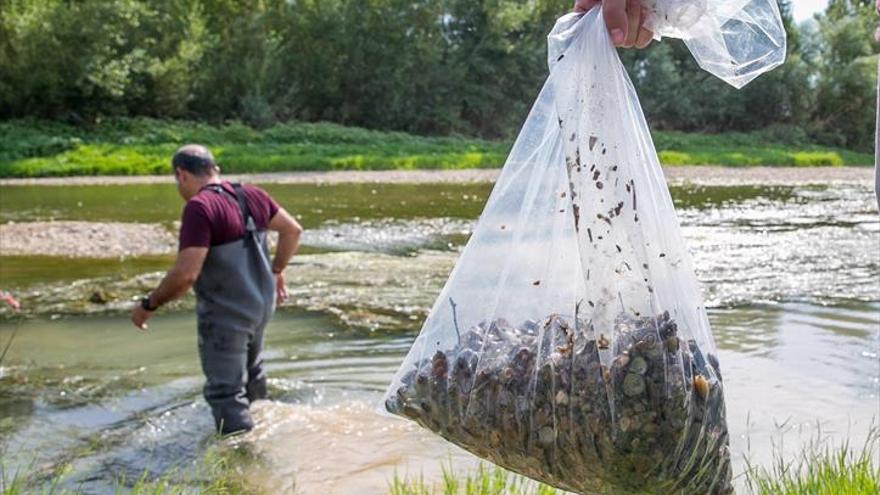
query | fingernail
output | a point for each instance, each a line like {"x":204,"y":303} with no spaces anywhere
{"x":617,"y":36}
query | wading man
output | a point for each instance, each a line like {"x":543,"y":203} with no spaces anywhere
{"x":223,"y":252}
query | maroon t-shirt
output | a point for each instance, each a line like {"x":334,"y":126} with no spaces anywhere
{"x":211,"y":218}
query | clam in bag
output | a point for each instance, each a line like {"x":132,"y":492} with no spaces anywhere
{"x":570,"y":343}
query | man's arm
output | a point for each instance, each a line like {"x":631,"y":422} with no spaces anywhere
{"x":180,"y":277}
{"x":176,"y":283}
{"x":289,"y":232}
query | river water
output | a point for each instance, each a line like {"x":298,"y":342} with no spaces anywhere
{"x":791,"y":277}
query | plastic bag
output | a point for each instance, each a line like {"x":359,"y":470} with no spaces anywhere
{"x":570,"y":343}
{"x":736,"y":40}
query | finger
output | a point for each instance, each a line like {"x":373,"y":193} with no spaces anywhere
{"x":615,"y":19}
{"x":634,"y":21}
{"x":645,"y":38}
{"x":585,"y":5}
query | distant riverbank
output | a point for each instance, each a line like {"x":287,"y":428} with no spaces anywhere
{"x":142,"y":147}
{"x":695,"y":174}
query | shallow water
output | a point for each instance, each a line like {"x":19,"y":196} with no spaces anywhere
{"x":118,"y":402}
{"x":312,"y":204}
{"x":791,"y":276}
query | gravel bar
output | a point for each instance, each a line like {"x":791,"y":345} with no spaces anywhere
{"x":86,"y":239}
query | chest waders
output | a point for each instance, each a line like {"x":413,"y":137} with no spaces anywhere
{"x":235,"y":299}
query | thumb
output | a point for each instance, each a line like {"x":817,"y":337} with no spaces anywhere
{"x":615,"y":19}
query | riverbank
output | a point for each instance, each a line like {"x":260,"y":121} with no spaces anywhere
{"x":37,"y":148}
{"x":694,"y":174}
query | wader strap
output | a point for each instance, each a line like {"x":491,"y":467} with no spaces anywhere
{"x":247,"y":220}
{"x":249,"y":224}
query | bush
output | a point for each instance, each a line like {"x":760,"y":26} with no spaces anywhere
{"x":140,"y":146}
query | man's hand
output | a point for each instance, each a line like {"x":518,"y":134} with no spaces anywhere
{"x":280,"y":288}
{"x":625,"y":20}
{"x":139,"y":316}
{"x":289,"y":232}
{"x":176,"y":282}
{"x":10,"y":300}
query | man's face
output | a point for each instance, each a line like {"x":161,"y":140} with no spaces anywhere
{"x":187,"y":186}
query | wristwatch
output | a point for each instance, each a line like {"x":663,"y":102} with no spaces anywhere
{"x":145,"y":303}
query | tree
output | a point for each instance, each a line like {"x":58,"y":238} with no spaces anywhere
{"x":844,"y":113}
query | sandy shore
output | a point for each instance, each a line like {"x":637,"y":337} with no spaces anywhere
{"x":684,"y":174}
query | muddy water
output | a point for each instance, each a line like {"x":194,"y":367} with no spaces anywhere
{"x":791,"y":275}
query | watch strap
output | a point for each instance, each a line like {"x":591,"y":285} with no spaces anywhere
{"x":145,"y":303}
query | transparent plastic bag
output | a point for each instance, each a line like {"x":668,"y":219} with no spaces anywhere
{"x":570,"y":343}
{"x":736,"y":40}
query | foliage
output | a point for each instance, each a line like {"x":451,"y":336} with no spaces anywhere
{"x":215,"y":475}
{"x":465,"y":67}
{"x":482,"y":481}
{"x":820,"y":470}
{"x":847,"y":75}
{"x":144,"y":146}
{"x":122,"y":146}
{"x":773,"y":146}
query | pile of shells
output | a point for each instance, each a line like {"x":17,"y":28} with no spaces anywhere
{"x":557,"y":402}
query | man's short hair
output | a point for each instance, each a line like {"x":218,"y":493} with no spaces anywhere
{"x":195,"y":159}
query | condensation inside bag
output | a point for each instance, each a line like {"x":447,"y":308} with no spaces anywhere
{"x":570,"y":343}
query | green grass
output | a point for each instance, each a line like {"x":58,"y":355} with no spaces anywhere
{"x":758,"y":148}
{"x":483,"y":481}
{"x":31,"y":148}
{"x":820,"y":470}
{"x":140,"y":146}
{"x":216,"y":475}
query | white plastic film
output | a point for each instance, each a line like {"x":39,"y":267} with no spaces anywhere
{"x":736,"y":40}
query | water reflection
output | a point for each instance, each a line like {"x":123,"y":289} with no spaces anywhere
{"x":821,"y":341}
{"x":391,"y":236}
